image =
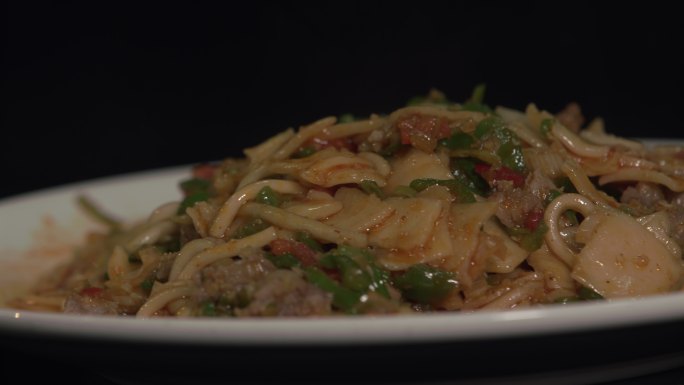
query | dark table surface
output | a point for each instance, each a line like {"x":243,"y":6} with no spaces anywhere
{"x":32,"y":368}
{"x":630,"y":354}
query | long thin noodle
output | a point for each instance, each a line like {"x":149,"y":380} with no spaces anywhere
{"x":230,"y":208}
{"x":225,"y":250}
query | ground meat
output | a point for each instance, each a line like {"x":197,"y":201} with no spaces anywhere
{"x":643,"y":198}
{"x":516,"y":204}
{"x":90,"y":304}
{"x":188,"y":233}
{"x":286,"y":293}
{"x":423,"y":132}
{"x":163,"y":269}
{"x":571,"y":117}
{"x":676,"y":215}
{"x":229,"y":279}
{"x":104,"y":301}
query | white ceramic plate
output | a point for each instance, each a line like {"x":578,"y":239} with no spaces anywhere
{"x":37,"y":231}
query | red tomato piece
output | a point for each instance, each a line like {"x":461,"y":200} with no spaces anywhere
{"x":429,"y":127}
{"x":302,"y":252}
{"x":204,"y":171}
{"x":505,"y":173}
{"x":533,"y":219}
{"x":92,"y":291}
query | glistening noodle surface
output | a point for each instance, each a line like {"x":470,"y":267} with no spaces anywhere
{"x":438,"y":206}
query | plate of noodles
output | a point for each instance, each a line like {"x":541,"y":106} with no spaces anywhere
{"x":438,"y":223}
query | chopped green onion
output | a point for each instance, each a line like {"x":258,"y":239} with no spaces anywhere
{"x":566,"y":300}
{"x":423,"y":183}
{"x":433,"y":97}
{"x":346,"y":118}
{"x":91,"y":209}
{"x":455,"y":186}
{"x":241,"y":299}
{"x":379,"y":280}
{"x":191,"y":200}
{"x":587,"y":294}
{"x":458,"y":140}
{"x":565,"y":184}
{"x":304,"y":152}
{"x":489,"y":126}
{"x":545,"y":127}
{"x":425,"y":284}
{"x":504,"y":135}
{"x":482,"y":155}
{"x":283,"y":261}
{"x":570,"y":214}
{"x":416,"y":101}
{"x":147,"y":285}
{"x":209,"y":309}
{"x":553,"y":194}
{"x":404,"y":192}
{"x":371,"y":187}
{"x":492,"y":279}
{"x":512,"y":156}
{"x":533,"y":240}
{"x":352,"y":275}
{"x":393,"y":146}
{"x":357,"y":270}
{"x":305,"y":238}
{"x":195,"y":185}
{"x":478,"y":94}
{"x":627,"y":210}
{"x":464,"y":169}
{"x":476,"y":100}
{"x":250,"y":228}
{"x":584,"y":294}
{"x":268,"y":196}
{"x":477,"y":107}
{"x":170,"y":246}
{"x":343,"y":298}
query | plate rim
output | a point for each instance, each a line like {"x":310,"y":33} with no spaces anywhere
{"x":356,"y":330}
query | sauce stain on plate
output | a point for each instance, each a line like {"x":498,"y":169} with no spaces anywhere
{"x":51,"y":245}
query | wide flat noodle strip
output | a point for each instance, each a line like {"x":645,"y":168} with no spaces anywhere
{"x":436,"y":247}
{"x":416,"y":164}
{"x":557,"y":279}
{"x":289,"y":221}
{"x":322,"y":129}
{"x":414,"y":216}
{"x":576,"y":144}
{"x":584,"y":186}
{"x":640,"y":175}
{"x":438,"y":112}
{"x":360,"y":212}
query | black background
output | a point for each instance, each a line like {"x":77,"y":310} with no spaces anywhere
{"x":100,"y":88}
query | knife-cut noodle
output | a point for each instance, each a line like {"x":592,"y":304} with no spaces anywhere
{"x":437,"y":206}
